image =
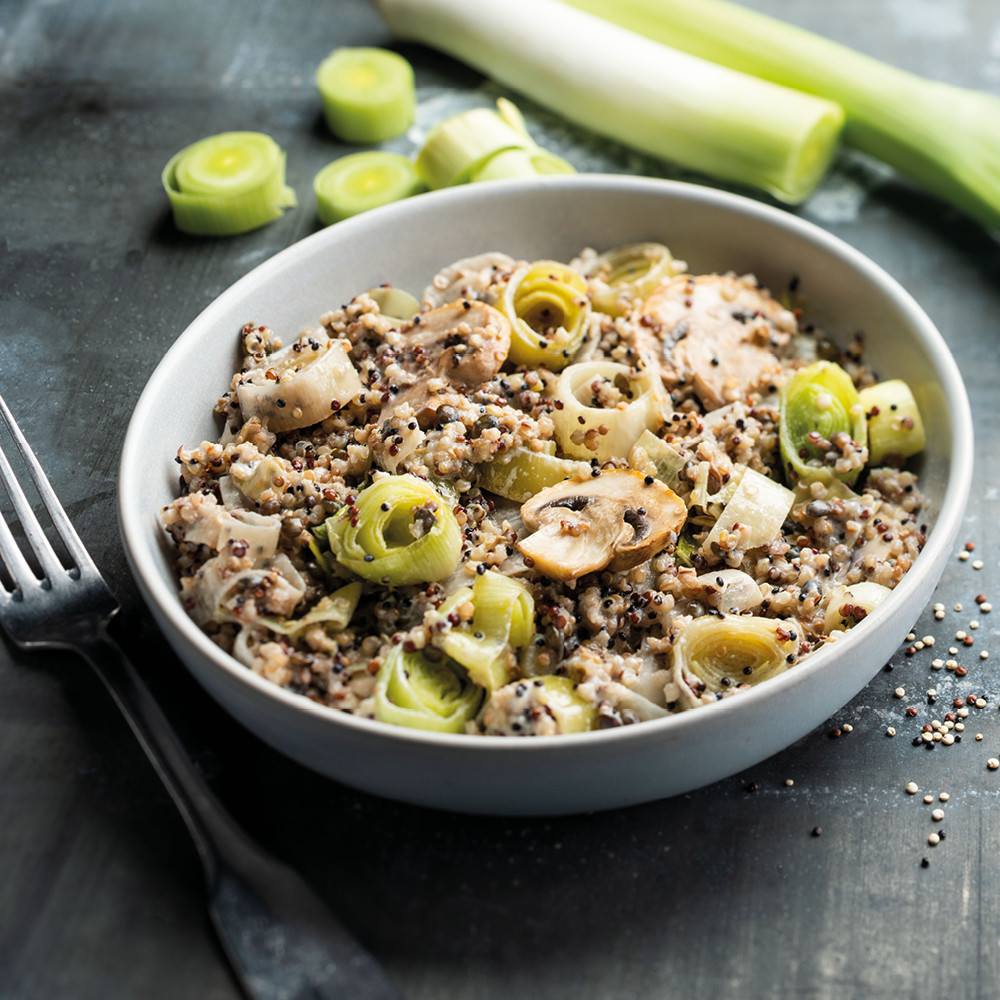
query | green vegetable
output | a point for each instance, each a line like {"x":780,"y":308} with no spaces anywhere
{"x":850,"y":605}
{"x":895,"y":428}
{"x":723,"y":652}
{"x":944,"y":137}
{"x":549,"y":312}
{"x":626,"y":275}
{"x":654,"y":455}
{"x":635,"y":91}
{"x":360,"y":181}
{"x":520,"y":473}
{"x":759,"y":503}
{"x":418,"y":692}
{"x":503,"y":619}
{"x":557,"y":694}
{"x":368,"y":94}
{"x":226,"y":184}
{"x":822,"y":424}
{"x":483,"y":144}
{"x":399,"y":531}
{"x":395,"y":304}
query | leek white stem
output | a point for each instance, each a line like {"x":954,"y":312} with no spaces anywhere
{"x":944,"y":137}
{"x":636,"y":91}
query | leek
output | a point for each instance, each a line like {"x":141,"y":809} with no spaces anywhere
{"x":822,"y":430}
{"x":227,"y":184}
{"x":361,"y":181}
{"x":399,"y":531}
{"x":635,"y":91}
{"x":895,"y":428}
{"x":415,"y":691}
{"x":628,"y":274}
{"x":549,"y":312}
{"x":368,"y":94}
{"x":944,"y":137}
{"x":520,"y":473}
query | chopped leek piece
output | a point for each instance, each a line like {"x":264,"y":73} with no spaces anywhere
{"x":895,"y":428}
{"x":713,"y":655}
{"x":361,"y":181}
{"x":399,"y":532}
{"x":228,"y":183}
{"x":520,"y":473}
{"x":605,"y":409}
{"x":636,"y":91}
{"x":549,"y":312}
{"x":822,"y":429}
{"x":653,"y":454}
{"x":368,"y":94}
{"x":760,"y":504}
{"x":573,"y":714}
{"x":332,"y":611}
{"x":418,"y":692}
{"x":503,"y":619}
{"x":849,"y":605}
{"x":944,"y":137}
{"x":395,"y":304}
{"x":626,"y":275}
{"x":482,"y":144}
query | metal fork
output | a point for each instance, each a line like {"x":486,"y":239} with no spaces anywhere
{"x":283,"y":943}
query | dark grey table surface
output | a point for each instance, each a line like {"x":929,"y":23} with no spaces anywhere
{"x":803,"y":877}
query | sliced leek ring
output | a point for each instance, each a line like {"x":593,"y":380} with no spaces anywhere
{"x":300,"y":384}
{"x":395,"y":304}
{"x":653,"y":455}
{"x":362,"y":181}
{"x":715,"y":655}
{"x":368,"y":94}
{"x":626,"y":275}
{"x":520,"y":473}
{"x":895,"y":427}
{"x":400,"y":531}
{"x":549,"y":312}
{"x":586,"y":429}
{"x":850,"y":604}
{"x":417,"y":692}
{"x":226,"y":184}
{"x":818,"y":404}
{"x":760,"y":504}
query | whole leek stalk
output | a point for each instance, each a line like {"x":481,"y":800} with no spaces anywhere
{"x":944,"y":137}
{"x":636,"y":91}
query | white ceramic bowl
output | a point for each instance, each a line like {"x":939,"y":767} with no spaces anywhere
{"x":548,"y":218}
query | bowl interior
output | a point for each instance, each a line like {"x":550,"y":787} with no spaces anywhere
{"x":555,"y":218}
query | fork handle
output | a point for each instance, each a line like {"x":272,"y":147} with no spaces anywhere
{"x":280,"y":938}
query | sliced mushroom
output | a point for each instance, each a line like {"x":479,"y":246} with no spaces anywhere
{"x":615,"y":520}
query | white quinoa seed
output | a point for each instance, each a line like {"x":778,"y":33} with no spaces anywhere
{"x":912,"y":788}
{"x":934,"y":839}
{"x":928,"y":798}
{"x":944,"y":796}
{"x":890,"y":731}
{"x":993,"y":763}
{"x":900,"y":692}
{"x":978,"y":564}
{"x":937,"y":815}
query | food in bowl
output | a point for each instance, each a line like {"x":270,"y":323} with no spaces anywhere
{"x":546,"y":497}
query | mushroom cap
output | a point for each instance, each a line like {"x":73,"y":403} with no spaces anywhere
{"x":615,"y":520}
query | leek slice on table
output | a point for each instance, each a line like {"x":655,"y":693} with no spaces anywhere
{"x":636,"y":91}
{"x":549,"y":312}
{"x":361,"y":181}
{"x":819,"y":404}
{"x":418,"y":692}
{"x":503,"y":618}
{"x":483,"y":144}
{"x":944,"y":137}
{"x":368,"y":94}
{"x":227,"y":184}
{"x":634,"y":406}
{"x":399,"y":531}
{"x":626,"y":275}
{"x":895,"y":427}
{"x":713,"y":655}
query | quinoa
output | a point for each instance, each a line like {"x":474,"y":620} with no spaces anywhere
{"x":681,"y":418}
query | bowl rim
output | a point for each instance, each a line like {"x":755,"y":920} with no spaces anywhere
{"x":136,"y":525}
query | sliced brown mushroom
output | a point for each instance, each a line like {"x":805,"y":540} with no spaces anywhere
{"x":614,"y":520}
